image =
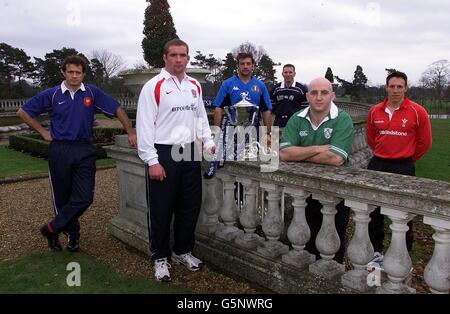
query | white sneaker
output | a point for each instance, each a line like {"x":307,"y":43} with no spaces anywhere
{"x":376,"y":262}
{"x":162,"y":270}
{"x":191,"y":262}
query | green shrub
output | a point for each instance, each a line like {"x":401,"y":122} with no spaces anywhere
{"x":34,"y":145}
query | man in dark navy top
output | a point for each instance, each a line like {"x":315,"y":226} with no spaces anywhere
{"x":72,"y":155}
{"x":288,"y":97}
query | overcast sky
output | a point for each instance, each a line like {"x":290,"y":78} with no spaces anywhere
{"x":404,"y":34}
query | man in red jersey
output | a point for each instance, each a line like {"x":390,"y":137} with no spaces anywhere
{"x":399,"y":133}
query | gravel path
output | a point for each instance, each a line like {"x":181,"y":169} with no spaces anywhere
{"x":25,"y":206}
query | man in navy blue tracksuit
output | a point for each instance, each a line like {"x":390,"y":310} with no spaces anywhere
{"x":71,"y":155}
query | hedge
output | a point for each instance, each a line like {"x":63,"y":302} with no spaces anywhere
{"x":34,"y":145}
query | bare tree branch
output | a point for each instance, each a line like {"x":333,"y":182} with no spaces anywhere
{"x":111,"y":62}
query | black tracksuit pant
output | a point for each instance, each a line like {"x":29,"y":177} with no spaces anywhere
{"x":178,"y":195}
{"x":72,"y":180}
{"x":376,"y":225}
{"x":314,"y":219}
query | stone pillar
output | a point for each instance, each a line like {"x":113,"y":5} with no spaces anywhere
{"x":437,"y":271}
{"x":327,"y":240}
{"x":228,"y":213}
{"x":397,"y":262}
{"x":248,"y":218}
{"x":298,"y":232}
{"x":272,"y":224}
{"x":208,"y":221}
{"x":360,"y":249}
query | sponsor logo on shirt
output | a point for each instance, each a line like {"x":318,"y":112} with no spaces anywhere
{"x":61,"y":102}
{"x":87,"y":101}
{"x":378,"y":121}
{"x":169,"y":92}
{"x":303,"y":133}
{"x":235,"y":88}
{"x":327,"y":133}
{"x":395,"y":133}
{"x":184,"y":108}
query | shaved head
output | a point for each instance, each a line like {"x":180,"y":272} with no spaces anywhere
{"x":322,"y":82}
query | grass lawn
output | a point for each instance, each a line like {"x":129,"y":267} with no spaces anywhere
{"x":47,"y":273}
{"x":14,"y":163}
{"x":436,"y":163}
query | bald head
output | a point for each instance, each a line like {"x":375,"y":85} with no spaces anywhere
{"x":320,"y":95}
{"x":320,"y":83}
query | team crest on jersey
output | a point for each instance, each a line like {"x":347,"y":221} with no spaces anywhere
{"x":327,"y":133}
{"x":87,"y":101}
{"x":194,"y":93}
{"x":255,"y":88}
{"x":404,"y":121}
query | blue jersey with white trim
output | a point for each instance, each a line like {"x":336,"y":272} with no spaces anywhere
{"x":233,"y":90}
{"x":71,"y":119}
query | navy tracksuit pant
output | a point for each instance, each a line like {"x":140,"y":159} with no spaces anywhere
{"x":72,"y":179}
{"x":376,"y":225}
{"x":178,"y":195}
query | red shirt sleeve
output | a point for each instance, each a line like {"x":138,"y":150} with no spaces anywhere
{"x":423,"y":134}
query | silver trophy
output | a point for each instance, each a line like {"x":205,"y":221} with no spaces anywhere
{"x":246,"y":122}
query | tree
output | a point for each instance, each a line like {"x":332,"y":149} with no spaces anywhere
{"x":346,"y":85}
{"x":359,"y":83}
{"x":210,"y":63}
{"x":15,"y":65}
{"x":263,"y":69}
{"x":158,"y":29}
{"x":391,"y":70}
{"x":98,"y":72}
{"x":329,"y":75}
{"x":111,"y":63}
{"x":228,"y":66}
{"x":437,"y":77}
{"x":49,"y":69}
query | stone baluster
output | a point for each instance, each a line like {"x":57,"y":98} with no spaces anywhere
{"x":397,"y":262}
{"x":360,"y":249}
{"x":437,"y":271}
{"x":248,"y":218}
{"x":272,"y":224}
{"x":327,"y":240}
{"x":298,"y":232}
{"x":228,"y":212}
{"x":208,"y":221}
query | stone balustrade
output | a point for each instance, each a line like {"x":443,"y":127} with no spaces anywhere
{"x":11,"y":104}
{"x":262,"y":237}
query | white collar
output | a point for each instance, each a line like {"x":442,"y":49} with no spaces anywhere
{"x":64,"y":88}
{"x":283,"y":84}
{"x":333,"y":112}
{"x":167,"y":75}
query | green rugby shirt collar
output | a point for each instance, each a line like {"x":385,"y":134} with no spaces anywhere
{"x":333,"y":114}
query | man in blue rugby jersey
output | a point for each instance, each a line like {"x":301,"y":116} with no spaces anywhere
{"x":243,"y":83}
{"x":71,"y":156}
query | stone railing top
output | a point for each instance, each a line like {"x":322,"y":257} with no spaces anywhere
{"x":418,"y":195}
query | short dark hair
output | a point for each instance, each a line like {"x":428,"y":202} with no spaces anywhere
{"x":288,"y":65}
{"x":244,"y":55}
{"x":74,"y":59}
{"x":174,"y":42}
{"x":397,"y":74}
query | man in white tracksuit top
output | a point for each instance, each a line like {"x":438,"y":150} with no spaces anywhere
{"x":170,"y":117}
